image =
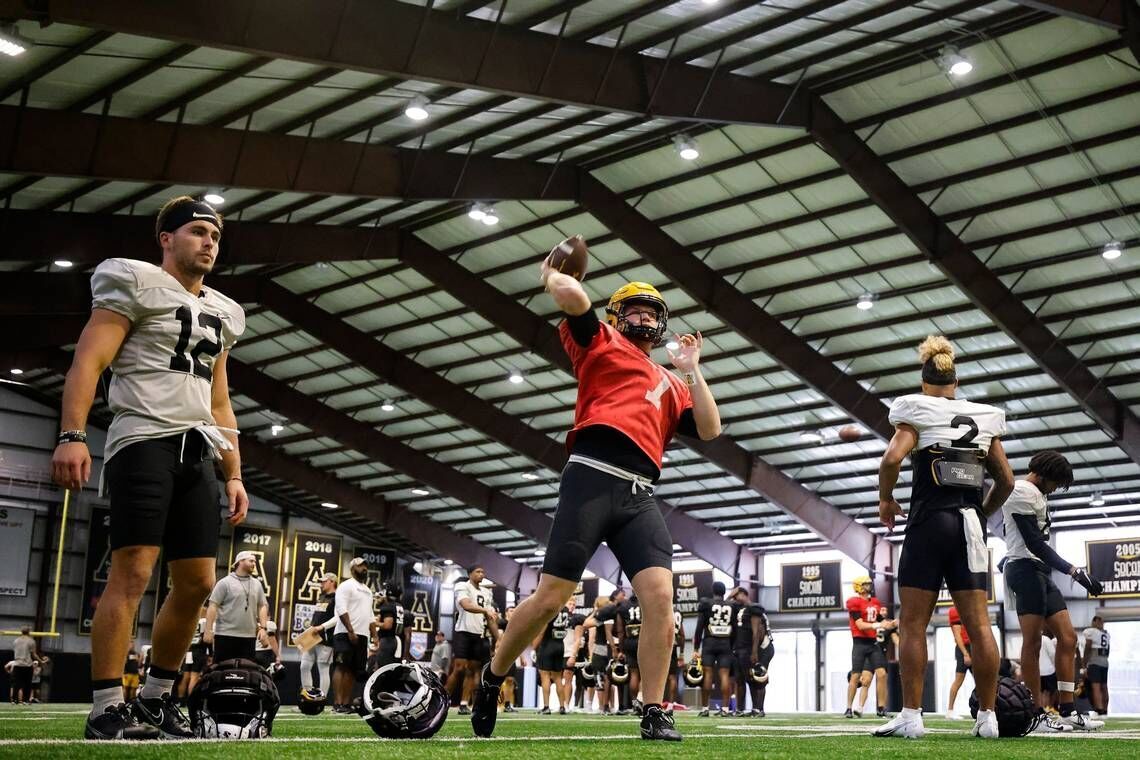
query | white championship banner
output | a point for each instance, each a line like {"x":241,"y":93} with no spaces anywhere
{"x":16,"y":538}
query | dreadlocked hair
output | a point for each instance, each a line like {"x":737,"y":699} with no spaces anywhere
{"x":1052,"y":465}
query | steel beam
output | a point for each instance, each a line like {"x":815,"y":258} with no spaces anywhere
{"x":437,"y":46}
{"x":43,"y":142}
{"x":1106,"y":13}
{"x":425,"y":532}
{"x":43,"y":236}
{"x":536,"y":333}
{"x":957,"y":261}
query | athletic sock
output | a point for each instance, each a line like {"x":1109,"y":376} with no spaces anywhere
{"x":158,"y":682}
{"x":105,"y":693}
{"x":911,"y":713}
{"x":490,"y":679}
{"x":1066,"y":709}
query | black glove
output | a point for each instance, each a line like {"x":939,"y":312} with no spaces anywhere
{"x":1094,"y":587}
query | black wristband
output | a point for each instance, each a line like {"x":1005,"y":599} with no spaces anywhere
{"x":72,"y":436}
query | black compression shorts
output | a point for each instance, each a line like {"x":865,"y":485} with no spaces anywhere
{"x":164,"y":493}
{"x":935,"y":550}
{"x":594,"y":506}
{"x":716,"y":653}
{"x":1033,"y":589}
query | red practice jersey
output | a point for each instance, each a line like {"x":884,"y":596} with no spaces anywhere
{"x":622,"y":388}
{"x":866,"y":610}
{"x":956,"y":619}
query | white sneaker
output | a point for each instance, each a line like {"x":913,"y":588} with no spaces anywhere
{"x":1080,"y":722}
{"x":986,"y":726}
{"x":1048,"y":723}
{"x":951,"y":715}
{"x":903,"y":727}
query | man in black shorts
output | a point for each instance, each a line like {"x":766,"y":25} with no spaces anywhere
{"x":627,"y":629}
{"x":350,"y":637}
{"x":473,"y":615}
{"x":166,"y":338}
{"x":628,"y":409}
{"x":392,"y":637}
{"x":751,"y":645}
{"x":713,"y":639}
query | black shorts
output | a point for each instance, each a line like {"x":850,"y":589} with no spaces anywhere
{"x":352,"y":657}
{"x":1049,"y":682}
{"x":22,"y":677}
{"x":716,"y":653}
{"x":550,"y":655}
{"x":1097,"y":674}
{"x":744,"y":658}
{"x":198,"y":655}
{"x":233,"y":647}
{"x":934,"y":551}
{"x":264,"y":657}
{"x":600,"y":663}
{"x":594,"y":506}
{"x":471,"y":646}
{"x":164,"y":493}
{"x":391,"y":650}
{"x":1033,"y":589}
{"x":866,"y":655}
{"x":960,"y":665}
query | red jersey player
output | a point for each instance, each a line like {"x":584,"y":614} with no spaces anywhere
{"x":866,"y":656}
{"x":961,"y":659}
{"x":628,"y":409}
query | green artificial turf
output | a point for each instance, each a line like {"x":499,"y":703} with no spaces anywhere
{"x":55,"y":731}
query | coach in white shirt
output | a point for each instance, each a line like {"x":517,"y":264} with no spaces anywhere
{"x":350,"y":638}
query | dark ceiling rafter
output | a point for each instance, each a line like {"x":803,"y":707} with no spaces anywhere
{"x":436,"y":46}
{"x":956,"y":259}
{"x":1106,"y":13}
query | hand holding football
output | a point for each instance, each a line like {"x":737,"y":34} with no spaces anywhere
{"x":570,"y":257}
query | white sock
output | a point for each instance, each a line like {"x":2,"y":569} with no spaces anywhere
{"x":156,"y":687}
{"x":984,"y":715}
{"x":101,"y":699}
{"x":911,"y":713}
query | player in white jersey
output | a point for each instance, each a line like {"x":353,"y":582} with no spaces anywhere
{"x":1027,"y":566}
{"x":473,"y":614}
{"x":166,"y":338}
{"x":952,"y":443}
{"x":1096,"y":664}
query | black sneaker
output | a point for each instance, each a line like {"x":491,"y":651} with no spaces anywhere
{"x":508,"y":707}
{"x":637,"y":707}
{"x":544,"y":711}
{"x":118,"y":722}
{"x":485,"y":712}
{"x":848,"y":714}
{"x":881,"y":712}
{"x":163,"y":713}
{"x":464,"y":710}
{"x":561,"y":710}
{"x":658,"y":725}
{"x":858,"y":713}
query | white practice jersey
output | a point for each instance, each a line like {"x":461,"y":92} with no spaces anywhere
{"x":465,"y":621}
{"x":1048,"y":657}
{"x":1097,"y":646}
{"x":1026,"y":499}
{"x":163,"y":372}
{"x":949,"y":421}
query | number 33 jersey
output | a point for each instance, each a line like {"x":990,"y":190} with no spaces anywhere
{"x":164,"y":370}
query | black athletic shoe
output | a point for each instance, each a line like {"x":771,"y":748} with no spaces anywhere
{"x":658,"y":725}
{"x":118,"y":722}
{"x":881,"y":712}
{"x":637,"y":707}
{"x":485,"y":708}
{"x":163,"y":713}
{"x":464,"y":710}
{"x":848,"y":714}
{"x":544,"y":711}
{"x":508,"y":707}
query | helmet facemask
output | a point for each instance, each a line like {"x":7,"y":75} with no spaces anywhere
{"x":640,"y":331}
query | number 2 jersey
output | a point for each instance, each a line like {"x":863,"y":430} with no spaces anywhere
{"x":163,"y":372}
{"x":945,"y":426}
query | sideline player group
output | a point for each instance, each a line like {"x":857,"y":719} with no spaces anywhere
{"x":166,"y":337}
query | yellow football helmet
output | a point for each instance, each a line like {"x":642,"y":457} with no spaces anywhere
{"x":863,"y":584}
{"x":637,"y":292}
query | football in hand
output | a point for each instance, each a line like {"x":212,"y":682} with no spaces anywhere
{"x":570,"y":257}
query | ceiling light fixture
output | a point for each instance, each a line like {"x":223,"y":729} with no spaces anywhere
{"x":664,"y":457}
{"x":448,"y":563}
{"x":865,"y":302}
{"x":811,"y":436}
{"x":16,"y":371}
{"x":1112,"y":251}
{"x":416,"y":109}
{"x":686,"y":147}
{"x":1097,"y":499}
{"x":214,"y":198}
{"x":954,"y":62}
{"x":540,"y":552}
{"x":11,"y":43}
{"x":529,"y":476}
{"x":476,"y":212}
{"x":490,"y":218}
{"x":330,"y":505}
{"x":387,"y":406}
{"x":64,"y":263}
{"x":515,"y":377}
{"x":672,"y":345}
{"x":275,"y":429}
{"x":421,"y":492}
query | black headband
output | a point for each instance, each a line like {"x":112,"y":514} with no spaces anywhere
{"x":187,"y":212}
{"x":931,"y":375}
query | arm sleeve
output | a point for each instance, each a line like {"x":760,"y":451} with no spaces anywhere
{"x":114,"y":287}
{"x":1036,"y":543}
{"x":688,"y":424}
{"x":584,"y":327}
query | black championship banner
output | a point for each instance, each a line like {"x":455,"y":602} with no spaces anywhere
{"x":314,"y":554}
{"x":421,"y":606}
{"x":96,"y":569}
{"x":811,"y":587}
{"x":1116,"y":564}
{"x":945,"y":600}
{"x":16,"y":538}
{"x":381,"y":568}
{"x":689,"y":589}
{"x":265,"y":543}
{"x":585,"y":594}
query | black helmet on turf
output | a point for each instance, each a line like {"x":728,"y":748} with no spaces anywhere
{"x":619,"y":672}
{"x":758,"y":674}
{"x":234,"y":699}
{"x":404,"y":701}
{"x":694,"y":674}
{"x":312,"y":701}
{"x":1014,"y":707}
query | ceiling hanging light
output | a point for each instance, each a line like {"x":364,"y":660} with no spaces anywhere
{"x":421,"y":492}
{"x":515,"y":377}
{"x":1112,"y":251}
{"x":865,"y":302}
{"x":330,"y":505}
{"x":490,"y":218}
{"x":529,"y":476}
{"x":954,"y":62}
{"x":11,"y":43}
{"x":1097,"y":499}
{"x":476,"y":212}
{"x":275,"y":429}
{"x":686,"y":147}
{"x":64,"y":263}
{"x":387,"y":406}
{"x":811,"y":436}
{"x":214,"y":198}
{"x":416,"y":110}
{"x":16,"y":371}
